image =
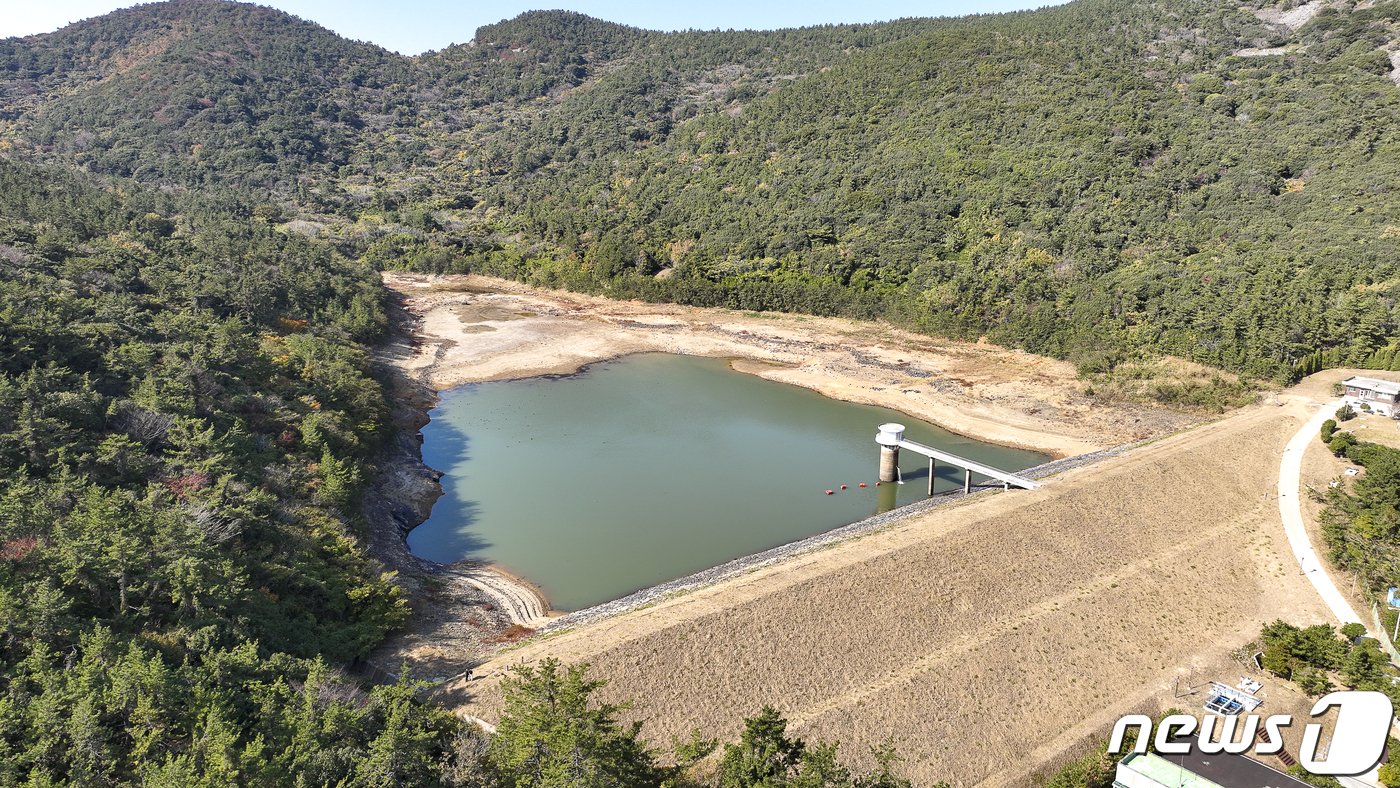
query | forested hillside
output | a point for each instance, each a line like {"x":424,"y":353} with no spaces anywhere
{"x":195,"y":197}
{"x":185,"y":416}
{"x":1090,"y":181}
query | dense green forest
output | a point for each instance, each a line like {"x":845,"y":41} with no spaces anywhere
{"x":186,"y":417}
{"x":1093,"y":181}
{"x":196,"y":197}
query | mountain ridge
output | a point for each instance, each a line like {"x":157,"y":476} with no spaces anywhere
{"x":1049,"y":178}
{"x":198,"y":201}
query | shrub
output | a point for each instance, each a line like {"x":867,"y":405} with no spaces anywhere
{"x":1346,"y":413}
{"x":1288,"y":649}
{"x":1390,"y":772}
{"x":1353,"y":631}
{"x":1313,"y":681}
{"x":1342,"y":442}
{"x":552,"y":729}
{"x":1329,"y":428}
{"x":1303,"y":775}
{"x":1277,"y":661}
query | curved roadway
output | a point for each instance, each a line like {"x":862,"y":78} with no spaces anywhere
{"x":1290,"y":506}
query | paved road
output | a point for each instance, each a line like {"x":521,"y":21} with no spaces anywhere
{"x":1290,"y":506}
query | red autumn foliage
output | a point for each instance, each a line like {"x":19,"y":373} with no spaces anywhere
{"x":182,"y":486}
{"x":16,"y":549}
{"x":511,"y":634}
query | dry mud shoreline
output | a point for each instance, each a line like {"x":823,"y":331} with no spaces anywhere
{"x":453,"y":330}
{"x":472,"y":329}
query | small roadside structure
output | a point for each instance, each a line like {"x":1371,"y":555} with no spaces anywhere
{"x":1377,"y":396}
{"x":1227,"y":700}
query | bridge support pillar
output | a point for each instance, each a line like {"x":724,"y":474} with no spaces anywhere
{"x":889,"y":463}
{"x":967,"y":480}
{"x":889,"y":437}
{"x":932,"y":473}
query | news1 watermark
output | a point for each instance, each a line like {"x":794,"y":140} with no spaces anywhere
{"x":1356,"y":745}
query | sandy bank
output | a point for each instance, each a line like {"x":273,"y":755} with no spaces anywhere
{"x":979,"y":390}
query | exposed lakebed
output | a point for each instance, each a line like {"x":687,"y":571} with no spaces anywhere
{"x":650,"y":467}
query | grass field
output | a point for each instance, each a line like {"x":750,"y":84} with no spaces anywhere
{"x":984,"y":638}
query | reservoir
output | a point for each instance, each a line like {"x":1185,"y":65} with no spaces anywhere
{"x":650,"y":467}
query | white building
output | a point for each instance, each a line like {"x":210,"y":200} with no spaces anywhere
{"x":1377,"y":396}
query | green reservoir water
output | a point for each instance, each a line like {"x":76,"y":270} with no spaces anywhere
{"x":651,"y":467}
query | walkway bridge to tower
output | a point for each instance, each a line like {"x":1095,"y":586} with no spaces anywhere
{"x":891,"y":439}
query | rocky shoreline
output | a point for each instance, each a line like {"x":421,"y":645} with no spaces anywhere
{"x":460,"y":611}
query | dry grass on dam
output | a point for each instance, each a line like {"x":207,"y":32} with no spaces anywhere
{"x":983,"y":638}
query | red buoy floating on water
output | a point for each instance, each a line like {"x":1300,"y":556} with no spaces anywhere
{"x":877,"y":484}
{"x":862,"y":484}
{"x":843,"y":486}
{"x":830,"y":492}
